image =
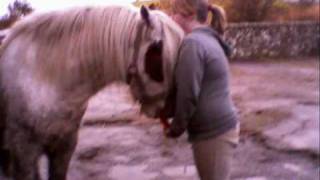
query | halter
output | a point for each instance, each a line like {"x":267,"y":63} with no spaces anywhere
{"x":132,"y":70}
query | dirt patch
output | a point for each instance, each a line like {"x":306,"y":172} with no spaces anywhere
{"x":272,"y":97}
{"x":265,"y":92}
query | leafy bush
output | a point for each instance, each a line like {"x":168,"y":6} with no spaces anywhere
{"x":263,"y":10}
{"x":247,"y":10}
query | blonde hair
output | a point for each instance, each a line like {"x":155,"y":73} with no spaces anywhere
{"x":200,"y":9}
{"x":219,"y":18}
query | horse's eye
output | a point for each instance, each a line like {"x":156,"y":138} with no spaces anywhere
{"x":153,"y":61}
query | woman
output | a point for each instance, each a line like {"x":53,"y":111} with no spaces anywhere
{"x":203,"y":103}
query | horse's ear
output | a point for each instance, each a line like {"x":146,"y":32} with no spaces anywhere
{"x":145,"y":15}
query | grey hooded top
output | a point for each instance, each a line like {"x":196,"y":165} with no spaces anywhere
{"x":203,"y":105}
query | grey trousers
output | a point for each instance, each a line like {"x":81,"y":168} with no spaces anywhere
{"x":213,"y":158}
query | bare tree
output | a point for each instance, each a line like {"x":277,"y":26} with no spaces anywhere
{"x":17,"y":10}
{"x":249,"y":10}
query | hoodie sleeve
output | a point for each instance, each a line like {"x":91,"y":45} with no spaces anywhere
{"x":189,"y":74}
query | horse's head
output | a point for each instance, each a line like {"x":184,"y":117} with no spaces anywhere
{"x":150,"y":74}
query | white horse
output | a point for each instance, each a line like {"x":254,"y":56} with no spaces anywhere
{"x":52,"y":63}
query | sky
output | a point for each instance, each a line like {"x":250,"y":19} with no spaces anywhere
{"x":44,"y":5}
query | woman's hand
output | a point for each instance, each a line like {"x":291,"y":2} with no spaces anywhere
{"x":171,"y":134}
{"x":168,"y":130}
{"x":165,"y":123}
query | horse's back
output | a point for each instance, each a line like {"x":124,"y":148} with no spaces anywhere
{"x":65,"y":45}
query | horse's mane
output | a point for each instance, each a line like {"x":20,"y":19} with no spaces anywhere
{"x":60,"y":25}
{"x":77,"y":35}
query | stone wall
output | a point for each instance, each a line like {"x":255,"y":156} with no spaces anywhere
{"x":254,"y":40}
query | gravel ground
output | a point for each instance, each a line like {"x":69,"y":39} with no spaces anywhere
{"x":274,"y":98}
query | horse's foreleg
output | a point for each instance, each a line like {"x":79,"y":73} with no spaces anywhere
{"x":4,"y":154}
{"x":60,"y":156}
{"x":5,"y":161}
{"x":25,"y":153}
